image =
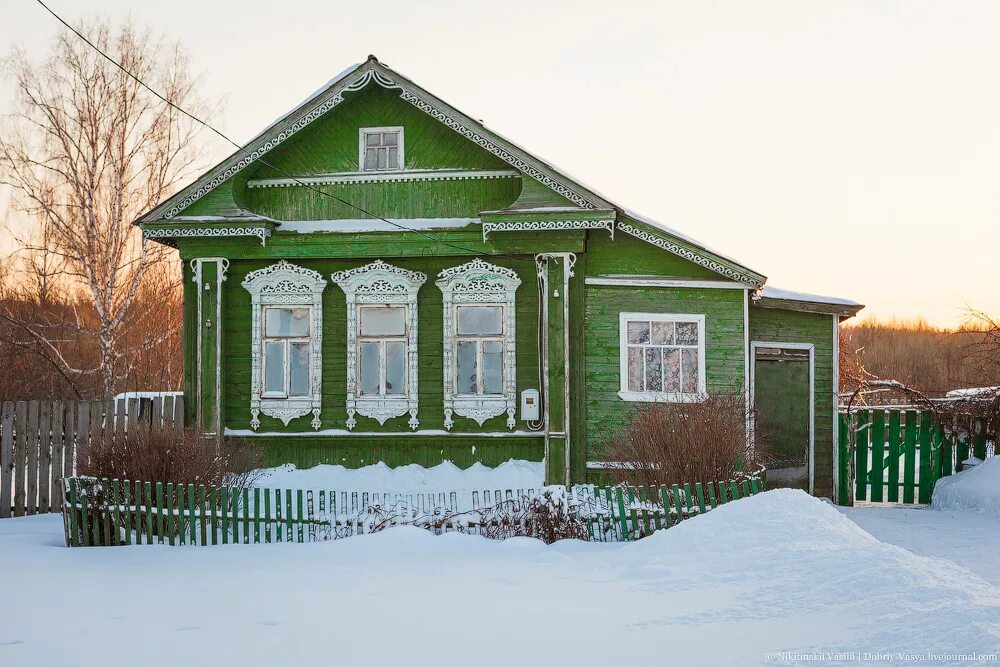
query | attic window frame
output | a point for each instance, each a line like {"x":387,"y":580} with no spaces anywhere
{"x":362,"y":147}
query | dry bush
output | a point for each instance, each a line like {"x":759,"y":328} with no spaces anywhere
{"x":547,"y":516}
{"x":674,"y":443}
{"x":180,"y":456}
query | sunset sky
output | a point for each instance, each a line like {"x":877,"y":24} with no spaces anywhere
{"x":849,"y":148}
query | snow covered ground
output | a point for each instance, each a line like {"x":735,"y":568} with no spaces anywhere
{"x":776,"y":572}
{"x":975,"y":489}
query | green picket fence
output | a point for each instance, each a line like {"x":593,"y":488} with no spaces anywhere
{"x":116,"y":512}
{"x":900,"y":454}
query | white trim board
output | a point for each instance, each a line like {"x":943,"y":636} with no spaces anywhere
{"x":339,"y":432}
{"x":612,"y":281}
{"x":384,"y":177}
{"x":812,"y":392}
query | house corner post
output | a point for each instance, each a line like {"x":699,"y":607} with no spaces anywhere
{"x":556,"y":269}
{"x":209,"y":275}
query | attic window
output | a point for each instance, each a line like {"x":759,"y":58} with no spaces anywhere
{"x":380,"y":149}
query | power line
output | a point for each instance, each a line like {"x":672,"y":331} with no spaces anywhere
{"x":241,"y":148}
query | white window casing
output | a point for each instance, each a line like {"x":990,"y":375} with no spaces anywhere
{"x":379,"y":288}
{"x":284,"y":292}
{"x":479,"y":284}
{"x":380,"y":149}
{"x":662,"y":357}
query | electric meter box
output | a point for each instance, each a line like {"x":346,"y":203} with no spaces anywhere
{"x":529,"y":405}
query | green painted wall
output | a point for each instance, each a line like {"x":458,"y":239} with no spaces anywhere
{"x":724,"y":346}
{"x":236,"y":387}
{"x":627,"y":255}
{"x":773,"y":325}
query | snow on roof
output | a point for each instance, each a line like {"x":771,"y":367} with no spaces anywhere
{"x":972,"y":392}
{"x":374,"y":224}
{"x":788,"y":295}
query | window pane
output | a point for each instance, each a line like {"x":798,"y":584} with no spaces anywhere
{"x":689,"y":370}
{"x":672,"y":370}
{"x":687,"y":333}
{"x":663,"y":333}
{"x":466,"y":376}
{"x":369,"y":375}
{"x":382,"y":321}
{"x":292,"y":322}
{"x":372,"y":139}
{"x":274,"y":367}
{"x":380,"y":165}
{"x":492,"y":367}
{"x":654,"y":370}
{"x":635,"y":369}
{"x":638,"y":332}
{"x":482,"y":320}
{"x":395,"y":367}
{"x":370,"y":160}
{"x":390,"y":138}
{"x":393,"y":159}
{"x":298,"y":369}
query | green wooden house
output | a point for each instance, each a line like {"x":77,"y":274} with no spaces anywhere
{"x":378,"y":276}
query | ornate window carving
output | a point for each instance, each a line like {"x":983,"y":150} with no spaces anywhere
{"x":286,"y":357}
{"x":480,"y":381}
{"x":381,"y":341}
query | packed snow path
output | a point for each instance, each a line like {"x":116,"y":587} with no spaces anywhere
{"x":777,"y":572}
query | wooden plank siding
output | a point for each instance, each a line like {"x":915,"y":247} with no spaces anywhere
{"x":786,"y":326}
{"x":724,"y":345}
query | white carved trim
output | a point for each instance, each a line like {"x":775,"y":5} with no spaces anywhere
{"x":181,"y":232}
{"x":479,"y":282}
{"x":547,"y":226}
{"x":381,"y":283}
{"x":690,"y":255}
{"x":286,"y":284}
{"x":384,"y":177}
{"x":278,"y":133}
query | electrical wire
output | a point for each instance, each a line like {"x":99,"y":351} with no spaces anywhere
{"x":207,"y":126}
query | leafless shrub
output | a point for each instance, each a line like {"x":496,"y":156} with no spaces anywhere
{"x":547,"y":516}
{"x":673,"y":443}
{"x":180,"y":456}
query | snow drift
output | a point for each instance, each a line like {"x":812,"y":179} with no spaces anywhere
{"x":780,"y":571}
{"x":976,"y":489}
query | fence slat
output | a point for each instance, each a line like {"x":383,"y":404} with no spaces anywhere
{"x":909,"y":455}
{"x":34,"y":408}
{"x":877,"y":477}
{"x":861,"y":456}
{"x":925,"y":483}
{"x":6,"y":459}
{"x":893,"y":495}
{"x":55,"y":471}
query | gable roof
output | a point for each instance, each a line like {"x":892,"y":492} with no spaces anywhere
{"x":372,"y":71}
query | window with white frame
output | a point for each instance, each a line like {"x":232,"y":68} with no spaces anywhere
{"x":381,"y":341}
{"x":662,"y":357}
{"x":382,"y":350}
{"x":479,"y":342}
{"x":286,"y":350}
{"x":381,"y":149}
{"x":480,"y":381}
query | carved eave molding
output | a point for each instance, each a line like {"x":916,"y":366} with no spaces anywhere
{"x":548,"y":226}
{"x":286,"y":284}
{"x":403,"y":176}
{"x":373,"y":72}
{"x":479,"y":282}
{"x":168,"y":234}
{"x":381,"y":283}
{"x":692,"y":253}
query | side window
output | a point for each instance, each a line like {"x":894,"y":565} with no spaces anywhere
{"x":662,"y":357}
{"x":381,"y":341}
{"x":480,"y":380}
{"x":380,"y":149}
{"x":286,"y":361}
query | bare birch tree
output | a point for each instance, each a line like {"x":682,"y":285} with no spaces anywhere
{"x":86,"y":150}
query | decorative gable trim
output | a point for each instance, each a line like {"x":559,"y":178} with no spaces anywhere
{"x":547,"y":226}
{"x":384,"y":177}
{"x":706,"y":260}
{"x":369,"y":72}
